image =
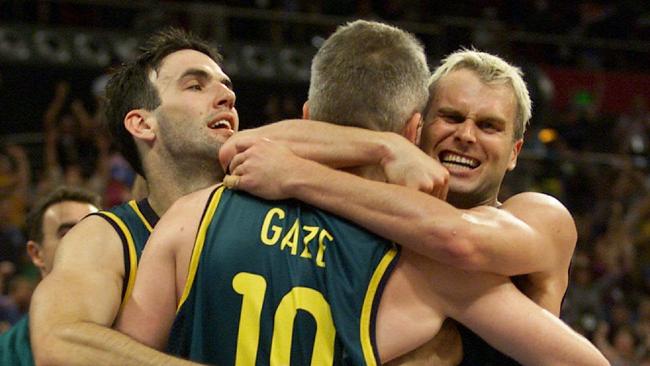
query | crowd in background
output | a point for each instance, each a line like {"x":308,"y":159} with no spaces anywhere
{"x":595,"y":162}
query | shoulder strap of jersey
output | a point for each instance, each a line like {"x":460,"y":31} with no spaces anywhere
{"x":206,"y":218}
{"x":128,"y":247}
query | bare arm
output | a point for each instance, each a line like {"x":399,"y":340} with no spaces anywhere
{"x":56,"y":105}
{"x":488,"y":304}
{"x":515,"y":325}
{"x":75,"y":305}
{"x":479,"y":239}
{"x":344,"y":147}
{"x":149,"y":314}
{"x":314,"y":140}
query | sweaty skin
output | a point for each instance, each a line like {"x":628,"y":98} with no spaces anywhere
{"x":489,"y":304}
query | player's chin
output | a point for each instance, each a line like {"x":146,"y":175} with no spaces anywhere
{"x":222,"y":135}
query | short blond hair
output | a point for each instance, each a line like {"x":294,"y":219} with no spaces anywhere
{"x":490,"y":69}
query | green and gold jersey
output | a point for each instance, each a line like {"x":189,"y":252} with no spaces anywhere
{"x":15,"y":348}
{"x":133,"y":221}
{"x":280,"y":283}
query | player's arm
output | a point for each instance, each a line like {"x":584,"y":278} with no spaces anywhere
{"x":150,"y":311}
{"x":515,"y":325}
{"x":314,"y":140}
{"x":343,"y":147}
{"x":148,"y":314}
{"x":508,"y":241}
{"x":74,"y":307}
{"x":488,"y":304}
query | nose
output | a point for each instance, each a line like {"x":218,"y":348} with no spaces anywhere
{"x":465,"y":131}
{"x":225,"y":97}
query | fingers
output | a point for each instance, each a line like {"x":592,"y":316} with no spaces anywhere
{"x":231,"y":181}
{"x":445,"y":191}
{"x":235,"y":144}
{"x":236,"y":161}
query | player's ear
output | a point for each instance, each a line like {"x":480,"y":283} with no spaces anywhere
{"x":413,"y":127}
{"x":305,"y":110}
{"x":516,"y":149}
{"x":36,"y":255}
{"x":140,"y":124}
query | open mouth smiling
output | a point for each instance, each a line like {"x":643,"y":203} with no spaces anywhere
{"x":457,"y":161}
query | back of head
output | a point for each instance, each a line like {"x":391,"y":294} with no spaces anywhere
{"x":369,"y":75}
{"x":130,"y":87}
{"x":490,"y":69}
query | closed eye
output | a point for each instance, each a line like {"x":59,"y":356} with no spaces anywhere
{"x":452,"y":117}
{"x":490,"y":126}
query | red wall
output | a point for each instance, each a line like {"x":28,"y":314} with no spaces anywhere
{"x":618,"y":88}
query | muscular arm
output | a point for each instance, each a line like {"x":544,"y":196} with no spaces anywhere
{"x":515,"y":325}
{"x":314,"y":140}
{"x":75,"y":305}
{"x":507,"y":241}
{"x":149,"y":314}
{"x":488,"y":304}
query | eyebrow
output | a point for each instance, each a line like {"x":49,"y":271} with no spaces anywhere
{"x":451,"y":112}
{"x":204,"y":75}
{"x":64,"y":227}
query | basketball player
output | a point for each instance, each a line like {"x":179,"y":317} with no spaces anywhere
{"x":279,"y":282}
{"x":169,"y":111}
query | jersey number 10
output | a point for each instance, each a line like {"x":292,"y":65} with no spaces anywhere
{"x":252,"y":287}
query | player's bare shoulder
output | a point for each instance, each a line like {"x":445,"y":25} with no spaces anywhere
{"x":189,"y":202}
{"x":90,"y":242}
{"x":180,"y":222}
{"x":545,"y":214}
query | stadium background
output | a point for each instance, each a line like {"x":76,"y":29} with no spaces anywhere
{"x":586,"y":63}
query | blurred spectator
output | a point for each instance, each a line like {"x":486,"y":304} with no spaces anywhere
{"x":75,"y":153}
{"x":15,"y":179}
{"x":11,"y":238}
{"x":618,"y":345}
{"x":632,"y":130}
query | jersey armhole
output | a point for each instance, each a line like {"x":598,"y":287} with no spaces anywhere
{"x":197,"y":249}
{"x":129,"y":252}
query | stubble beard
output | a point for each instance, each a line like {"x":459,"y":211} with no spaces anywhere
{"x":192,"y":155}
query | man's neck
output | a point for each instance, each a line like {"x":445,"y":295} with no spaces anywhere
{"x":467,"y":201}
{"x":166,"y":186}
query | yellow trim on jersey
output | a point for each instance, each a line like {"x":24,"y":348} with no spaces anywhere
{"x":366,"y":311}
{"x":198,"y":243}
{"x":134,"y":206}
{"x":132,"y":256}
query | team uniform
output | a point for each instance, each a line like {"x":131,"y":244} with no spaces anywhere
{"x":133,"y":221}
{"x":477,"y":352}
{"x":15,"y":349}
{"x":280,"y":283}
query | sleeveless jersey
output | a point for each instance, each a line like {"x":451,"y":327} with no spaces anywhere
{"x":477,"y":352}
{"x":15,"y":349}
{"x":280,"y":283}
{"x":133,"y":221}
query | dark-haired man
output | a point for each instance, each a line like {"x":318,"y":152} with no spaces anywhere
{"x":168,"y":112}
{"x":48,"y":221}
